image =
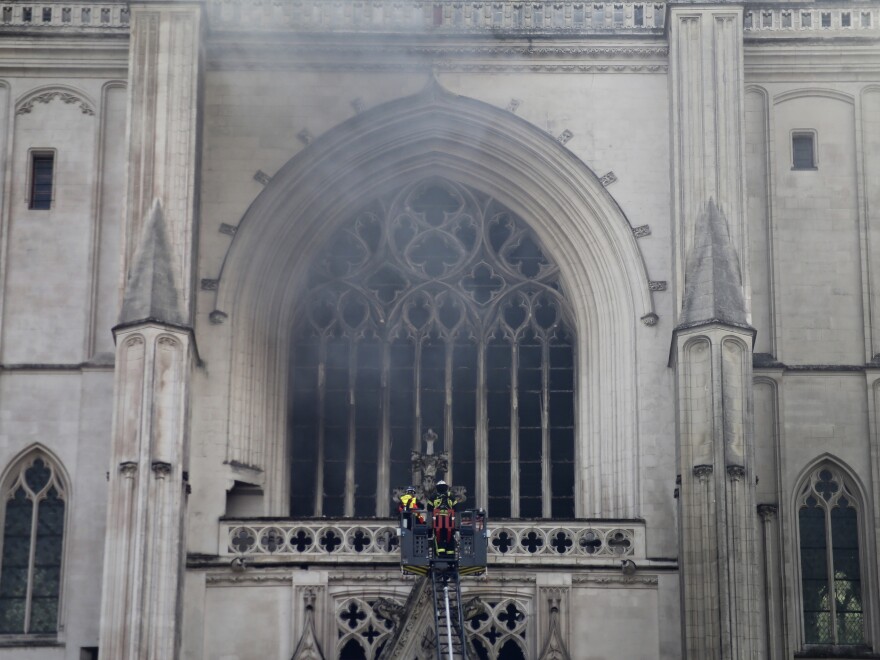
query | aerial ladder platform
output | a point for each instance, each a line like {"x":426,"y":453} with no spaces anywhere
{"x":417,"y":556}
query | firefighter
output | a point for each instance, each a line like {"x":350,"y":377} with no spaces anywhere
{"x":443,"y":511}
{"x":409,"y":503}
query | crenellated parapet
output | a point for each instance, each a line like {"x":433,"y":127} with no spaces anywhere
{"x":819,"y":20}
{"x":86,"y":18}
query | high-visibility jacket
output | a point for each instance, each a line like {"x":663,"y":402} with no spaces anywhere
{"x":408,"y":503}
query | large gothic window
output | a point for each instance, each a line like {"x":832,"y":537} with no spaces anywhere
{"x":830,"y":573}
{"x":33,"y":527}
{"x":434,"y":310}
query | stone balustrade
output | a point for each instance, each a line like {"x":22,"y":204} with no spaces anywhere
{"x":334,"y":541}
{"x":408,"y":16}
{"x":75,"y":17}
{"x":798,"y":20}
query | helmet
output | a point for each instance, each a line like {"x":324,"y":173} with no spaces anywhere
{"x":442,"y":486}
{"x":410,"y":490}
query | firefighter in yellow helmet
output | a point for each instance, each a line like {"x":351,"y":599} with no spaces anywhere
{"x":409,"y":503}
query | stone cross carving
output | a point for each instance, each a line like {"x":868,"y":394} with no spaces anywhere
{"x":426,"y":466}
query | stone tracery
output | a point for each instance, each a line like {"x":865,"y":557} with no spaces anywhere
{"x":434,"y":308}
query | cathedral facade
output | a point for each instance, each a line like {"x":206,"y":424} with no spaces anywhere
{"x":614,"y":267}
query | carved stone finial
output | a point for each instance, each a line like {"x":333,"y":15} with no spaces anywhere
{"x":554,"y":648}
{"x":150,"y":290}
{"x":713,"y":281}
{"x":308,"y":647}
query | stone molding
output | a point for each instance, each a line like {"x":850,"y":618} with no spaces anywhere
{"x":538,"y":17}
{"x":63,"y":94}
{"x":603,"y":580}
{"x":338,"y":55}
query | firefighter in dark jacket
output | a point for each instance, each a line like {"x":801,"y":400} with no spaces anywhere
{"x":442,"y":507}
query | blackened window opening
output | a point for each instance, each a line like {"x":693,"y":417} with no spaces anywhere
{"x":803,"y":149}
{"x":42,"y":172}
{"x":434,"y":310}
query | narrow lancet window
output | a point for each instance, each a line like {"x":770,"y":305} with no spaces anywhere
{"x":830,"y":567}
{"x":33,"y":529}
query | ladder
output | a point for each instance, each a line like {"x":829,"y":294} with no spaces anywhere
{"x":449,"y":634}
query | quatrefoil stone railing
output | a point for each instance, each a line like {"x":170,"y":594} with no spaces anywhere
{"x":334,"y":541}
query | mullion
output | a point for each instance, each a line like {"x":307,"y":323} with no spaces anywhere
{"x":447,"y":408}
{"x":514,"y":430}
{"x":322,"y":431}
{"x":481,"y":439}
{"x":546,"y":454}
{"x":417,"y":395}
{"x":32,"y":552}
{"x":829,"y":557}
{"x":348,"y":505}
{"x":383,"y":483}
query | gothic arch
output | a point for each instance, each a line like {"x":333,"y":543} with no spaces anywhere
{"x":36,"y":448}
{"x":813,"y":92}
{"x":435,"y":133}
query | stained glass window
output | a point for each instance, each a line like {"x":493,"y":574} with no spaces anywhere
{"x":829,"y":552}
{"x":33,"y":529}
{"x":434,"y":311}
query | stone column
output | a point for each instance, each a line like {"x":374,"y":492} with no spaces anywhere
{"x":720,"y":599}
{"x":712,"y":347}
{"x":164,"y":82}
{"x":767,"y":513}
{"x":144,"y":551}
{"x":707,"y":114}
{"x":145,"y":547}
{"x":712,"y":353}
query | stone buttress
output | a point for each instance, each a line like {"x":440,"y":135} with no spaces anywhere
{"x":712,"y":340}
{"x":717,"y":523}
{"x":145,"y":550}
